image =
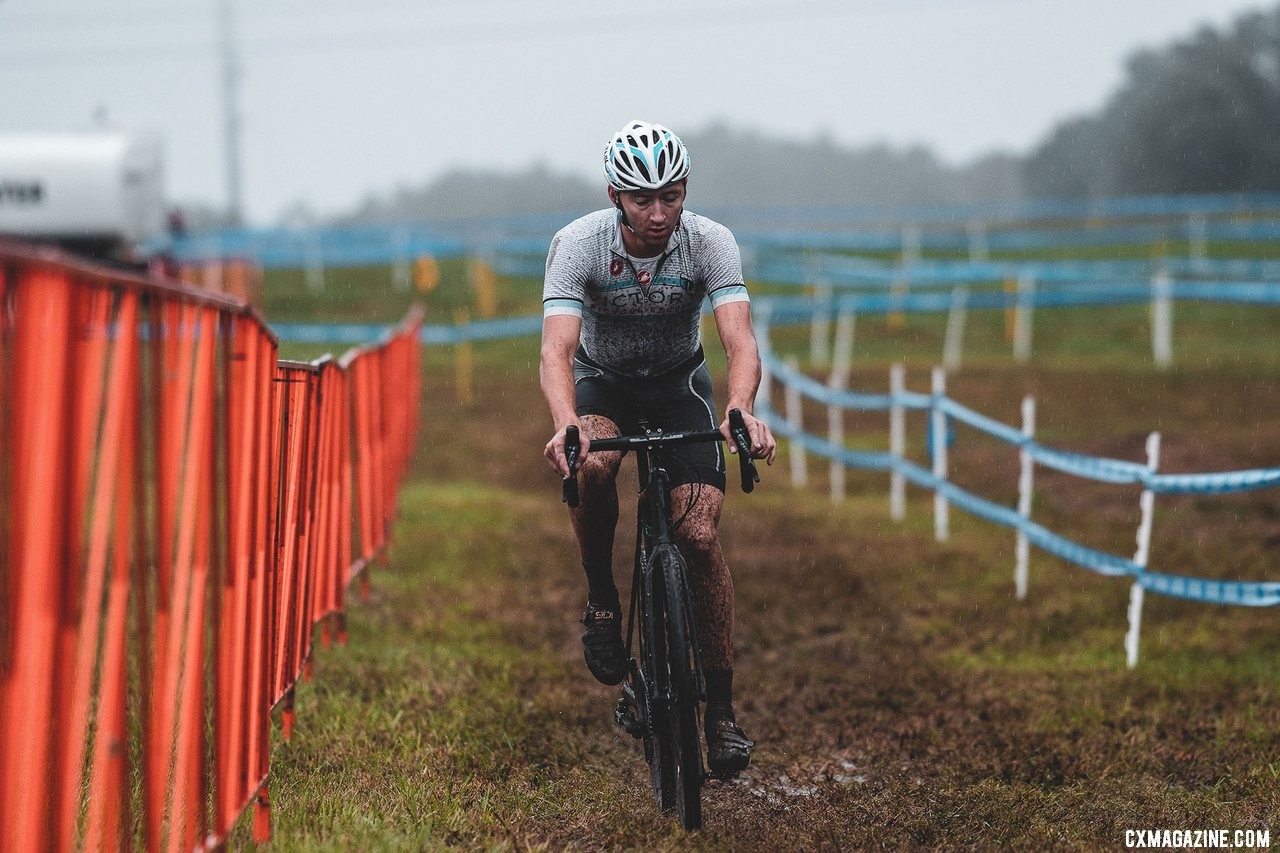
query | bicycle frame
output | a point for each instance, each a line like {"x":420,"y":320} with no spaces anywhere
{"x":653,"y":531}
{"x":668,"y":685}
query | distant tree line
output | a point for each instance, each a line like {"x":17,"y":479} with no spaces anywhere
{"x":1200,"y":115}
{"x":466,"y":194}
{"x":732,"y":168}
{"x":735,"y":167}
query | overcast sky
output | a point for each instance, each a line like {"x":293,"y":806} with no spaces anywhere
{"x":343,"y":97}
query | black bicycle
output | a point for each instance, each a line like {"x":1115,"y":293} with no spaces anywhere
{"x":663,"y":690}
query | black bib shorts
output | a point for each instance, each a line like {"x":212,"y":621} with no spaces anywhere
{"x":677,"y":401}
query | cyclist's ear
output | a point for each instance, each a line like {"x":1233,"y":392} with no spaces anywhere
{"x":617,"y":202}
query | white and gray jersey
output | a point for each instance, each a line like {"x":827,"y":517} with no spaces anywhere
{"x":640,"y":316}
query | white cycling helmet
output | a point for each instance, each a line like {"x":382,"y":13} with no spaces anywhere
{"x":644,"y":156}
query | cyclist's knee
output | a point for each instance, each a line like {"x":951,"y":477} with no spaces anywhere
{"x":599,"y":470}
{"x":699,"y":539}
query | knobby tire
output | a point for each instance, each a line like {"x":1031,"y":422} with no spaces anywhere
{"x":653,"y":654}
{"x":681,"y":730}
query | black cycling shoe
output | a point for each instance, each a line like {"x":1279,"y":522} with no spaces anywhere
{"x":602,"y":646}
{"x":728,"y":747}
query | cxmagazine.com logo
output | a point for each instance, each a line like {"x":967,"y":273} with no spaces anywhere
{"x":1197,"y":839}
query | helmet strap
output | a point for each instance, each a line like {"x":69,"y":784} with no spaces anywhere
{"x":622,"y":215}
{"x":616,"y":197}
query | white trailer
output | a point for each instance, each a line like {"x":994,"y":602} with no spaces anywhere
{"x":100,"y":191}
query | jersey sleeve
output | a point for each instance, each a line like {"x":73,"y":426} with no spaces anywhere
{"x":565,"y":284}
{"x":721,"y":263}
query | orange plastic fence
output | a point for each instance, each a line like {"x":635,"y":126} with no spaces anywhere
{"x":178,"y":510}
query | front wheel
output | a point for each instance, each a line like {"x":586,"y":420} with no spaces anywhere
{"x":654,"y":690}
{"x":682,"y":682}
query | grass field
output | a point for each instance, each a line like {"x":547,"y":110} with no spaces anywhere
{"x":900,"y":695}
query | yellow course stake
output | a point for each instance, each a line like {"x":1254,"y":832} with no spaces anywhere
{"x":1010,"y":287}
{"x":426,"y":273}
{"x":485,"y":284}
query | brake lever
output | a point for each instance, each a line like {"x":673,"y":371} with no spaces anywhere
{"x":571,"y":449}
{"x":746,"y":465}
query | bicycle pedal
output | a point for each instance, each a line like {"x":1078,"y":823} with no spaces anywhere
{"x":624,"y":714}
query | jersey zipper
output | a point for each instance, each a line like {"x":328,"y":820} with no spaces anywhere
{"x":657,"y":268}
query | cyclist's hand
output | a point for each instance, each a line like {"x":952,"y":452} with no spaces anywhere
{"x":554,"y":451}
{"x":763,"y":444}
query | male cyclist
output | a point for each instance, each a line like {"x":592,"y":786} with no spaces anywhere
{"x":622,"y":303}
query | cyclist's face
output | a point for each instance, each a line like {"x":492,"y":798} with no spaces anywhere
{"x":652,"y":214}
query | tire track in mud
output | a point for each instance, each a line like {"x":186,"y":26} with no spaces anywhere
{"x":899,"y":695}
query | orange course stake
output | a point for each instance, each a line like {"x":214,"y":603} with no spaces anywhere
{"x":287,"y":715}
{"x":262,"y":817}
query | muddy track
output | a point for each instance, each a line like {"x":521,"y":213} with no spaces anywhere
{"x":899,"y":694}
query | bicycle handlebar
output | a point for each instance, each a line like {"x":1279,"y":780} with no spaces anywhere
{"x":571,"y":448}
{"x":746,"y":466}
{"x":737,"y":428}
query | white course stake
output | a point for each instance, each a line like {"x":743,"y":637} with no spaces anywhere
{"x":1198,"y":240}
{"x":835,"y":434}
{"x":841,"y":357}
{"x":401,"y":270}
{"x":1023,"y":547}
{"x":842,"y":354}
{"x":1022,"y":317}
{"x":750,"y":259}
{"x":1161,"y":319}
{"x":795,"y":417}
{"x":912,"y":244}
{"x":953,"y":343}
{"x":761,"y":313}
{"x":1148,"y":503}
{"x":977,"y":241}
{"x":897,"y":441}
{"x":897,"y":300}
{"x":315,"y":262}
{"x":820,"y":329}
{"x":941,"y":509}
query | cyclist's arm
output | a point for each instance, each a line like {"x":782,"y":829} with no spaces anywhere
{"x":733,"y":321}
{"x":555,"y":370}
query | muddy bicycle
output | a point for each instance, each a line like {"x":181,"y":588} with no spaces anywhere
{"x":665,"y":685}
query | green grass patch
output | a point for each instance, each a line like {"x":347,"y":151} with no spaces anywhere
{"x":420,"y":732}
{"x":900,"y":694}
